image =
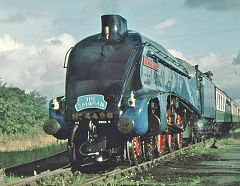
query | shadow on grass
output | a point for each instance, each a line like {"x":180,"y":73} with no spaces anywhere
{"x":13,"y":158}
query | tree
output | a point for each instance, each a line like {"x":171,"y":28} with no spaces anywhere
{"x":20,"y":111}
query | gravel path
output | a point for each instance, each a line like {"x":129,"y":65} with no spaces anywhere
{"x":220,"y":169}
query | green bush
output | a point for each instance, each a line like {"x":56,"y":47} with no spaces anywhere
{"x":20,"y":111}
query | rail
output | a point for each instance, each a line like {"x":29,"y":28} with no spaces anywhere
{"x":104,"y":178}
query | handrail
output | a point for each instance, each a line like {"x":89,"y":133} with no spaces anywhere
{"x":64,"y":64}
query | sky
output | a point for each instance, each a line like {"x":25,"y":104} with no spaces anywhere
{"x":36,"y":34}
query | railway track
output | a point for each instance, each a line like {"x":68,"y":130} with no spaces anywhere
{"x":104,"y":177}
{"x":115,"y":174}
{"x":53,"y":162}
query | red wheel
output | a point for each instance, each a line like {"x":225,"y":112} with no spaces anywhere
{"x":136,"y":148}
{"x":160,"y":141}
{"x":133,"y":150}
{"x":179,"y":135}
{"x":170,"y":142}
{"x":169,"y":136}
{"x":179,"y":140}
{"x":169,"y":117}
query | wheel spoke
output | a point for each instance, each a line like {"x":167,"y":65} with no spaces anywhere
{"x":133,"y":150}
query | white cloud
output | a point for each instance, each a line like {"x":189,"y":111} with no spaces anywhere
{"x":163,"y":25}
{"x":12,"y":18}
{"x":217,"y":5}
{"x":156,"y":30}
{"x":35,"y":67}
{"x":177,"y":54}
{"x":8,"y":44}
{"x":226,"y":75}
{"x":236,"y":60}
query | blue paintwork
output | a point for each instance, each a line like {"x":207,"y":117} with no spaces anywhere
{"x":163,"y":104}
{"x":64,"y":132}
{"x":139,"y":116}
{"x":58,"y":117}
{"x":171,"y":78}
{"x":208,"y":98}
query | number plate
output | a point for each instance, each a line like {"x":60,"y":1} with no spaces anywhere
{"x":97,"y":116}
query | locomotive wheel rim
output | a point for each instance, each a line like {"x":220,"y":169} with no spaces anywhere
{"x":170,"y":141}
{"x":179,"y":140}
{"x":133,"y":151}
{"x":160,"y":144}
{"x":136,"y":148}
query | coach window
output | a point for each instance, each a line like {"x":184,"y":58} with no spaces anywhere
{"x":223,"y":103}
{"x":220,"y":101}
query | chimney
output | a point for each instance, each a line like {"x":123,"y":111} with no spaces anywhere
{"x":114,"y":28}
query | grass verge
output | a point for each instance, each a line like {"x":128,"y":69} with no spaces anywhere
{"x":22,"y":148}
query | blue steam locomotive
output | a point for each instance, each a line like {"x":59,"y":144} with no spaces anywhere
{"x":127,"y":97}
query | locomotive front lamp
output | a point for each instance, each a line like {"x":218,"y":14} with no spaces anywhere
{"x":131,"y":100}
{"x":55,"y":104}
